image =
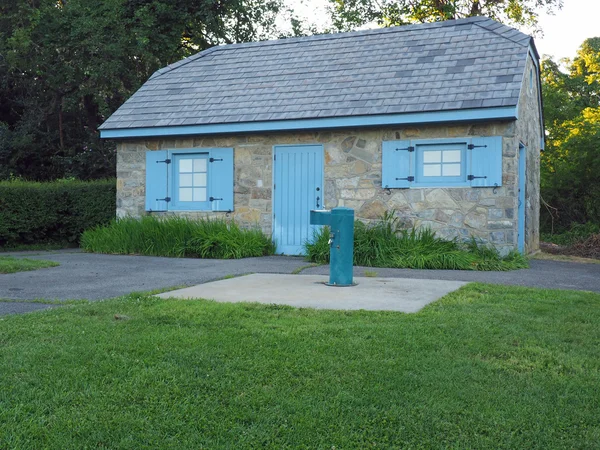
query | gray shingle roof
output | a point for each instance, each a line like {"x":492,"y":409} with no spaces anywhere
{"x":458,"y":64}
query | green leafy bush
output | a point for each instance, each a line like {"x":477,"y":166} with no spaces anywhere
{"x":177,"y":237}
{"x":577,"y":233}
{"x":384,"y":244}
{"x":54,"y":212}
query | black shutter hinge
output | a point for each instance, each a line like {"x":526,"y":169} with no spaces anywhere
{"x":214,"y":159}
{"x":472,"y":177}
{"x":472,"y":146}
{"x":212,"y":199}
{"x":166,"y":199}
{"x":166,"y":161}
{"x":409,"y":149}
{"x":407,"y":178}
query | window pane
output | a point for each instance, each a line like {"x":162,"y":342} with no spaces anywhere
{"x":432,"y":156}
{"x":185,"y":180}
{"x":185,"y":165}
{"x":451,"y":170}
{"x":199,"y":194}
{"x":200,"y":165}
{"x":452,"y":156}
{"x":199,"y":179}
{"x":185,"y":194}
{"x":432,"y":170}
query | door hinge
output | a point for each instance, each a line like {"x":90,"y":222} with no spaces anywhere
{"x":274,"y":157}
{"x":274,"y":186}
{"x":166,"y":199}
{"x":409,"y":149}
{"x":472,"y":177}
{"x":407,"y":178}
{"x":472,"y":146}
{"x":214,"y":159}
{"x":212,"y":199}
{"x":166,"y":161}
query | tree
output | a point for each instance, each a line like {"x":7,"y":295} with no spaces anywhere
{"x":571,"y":161}
{"x":65,"y":65}
{"x":350,"y":14}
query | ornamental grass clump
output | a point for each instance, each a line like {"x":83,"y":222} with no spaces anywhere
{"x":177,"y":237}
{"x":385,"y":244}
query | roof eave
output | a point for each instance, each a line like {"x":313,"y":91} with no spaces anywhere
{"x":430,"y":117}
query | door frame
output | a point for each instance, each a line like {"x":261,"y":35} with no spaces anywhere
{"x":274,"y":191}
{"x":522,"y":187}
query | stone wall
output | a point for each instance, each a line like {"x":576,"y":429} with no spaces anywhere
{"x":352,"y":179}
{"x":528,"y":131}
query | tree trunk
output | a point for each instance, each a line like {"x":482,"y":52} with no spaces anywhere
{"x":475,"y":9}
{"x":60,"y":124}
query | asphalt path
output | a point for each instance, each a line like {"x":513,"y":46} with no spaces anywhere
{"x":95,"y":276}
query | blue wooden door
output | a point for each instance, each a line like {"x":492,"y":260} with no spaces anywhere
{"x":522,"y":184}
{"x":297,"y":188}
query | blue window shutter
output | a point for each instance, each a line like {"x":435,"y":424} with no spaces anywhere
{"x":157,"y":180}
{"x":396,"y":160}
{"x":486,"y":161}
{"x":221,"y":179}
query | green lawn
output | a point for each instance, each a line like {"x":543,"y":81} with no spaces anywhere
{"x":8,"y":264}
{"x":486,"y":367}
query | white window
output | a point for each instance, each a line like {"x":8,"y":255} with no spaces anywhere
{"x":192,"y":179}
{"x":531,"y":81}
{"x":440,"y":163}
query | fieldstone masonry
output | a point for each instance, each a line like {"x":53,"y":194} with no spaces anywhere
{"x":528,"y":131}
{"x":353,"y":178}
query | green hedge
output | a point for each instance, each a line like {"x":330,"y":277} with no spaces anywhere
{"x":54,"y":212}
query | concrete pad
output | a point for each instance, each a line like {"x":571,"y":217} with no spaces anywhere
{"x":309,"y":291}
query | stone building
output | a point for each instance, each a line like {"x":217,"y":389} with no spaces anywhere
{"x":439,"y":122}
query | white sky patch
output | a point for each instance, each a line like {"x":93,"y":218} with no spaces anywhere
{"x":566,"y":30}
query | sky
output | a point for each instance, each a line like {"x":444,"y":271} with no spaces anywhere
{"x":563,"y":32}
{"x":566,"y":30}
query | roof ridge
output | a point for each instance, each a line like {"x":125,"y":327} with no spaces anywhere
{"x":319,"y":37}
{"x":503,"y":34}
{"x":184,"y":61}
{"x":354,"y":33}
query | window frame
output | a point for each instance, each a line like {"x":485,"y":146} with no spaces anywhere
{"x":441,"y":181}
{"x":176,"y":203}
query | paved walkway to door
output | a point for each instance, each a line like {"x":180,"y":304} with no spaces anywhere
{"x":93,"y":276}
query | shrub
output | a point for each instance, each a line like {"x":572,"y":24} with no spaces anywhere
{"x":54,"y":212}
{"x":177,"y":237}
{"x":578,"y":232}
{"x":384,"y":244}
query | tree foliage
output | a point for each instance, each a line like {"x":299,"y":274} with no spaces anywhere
{"x":65,"y":65}
{"x":571,"y":162}
{"x":350,"y":14}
